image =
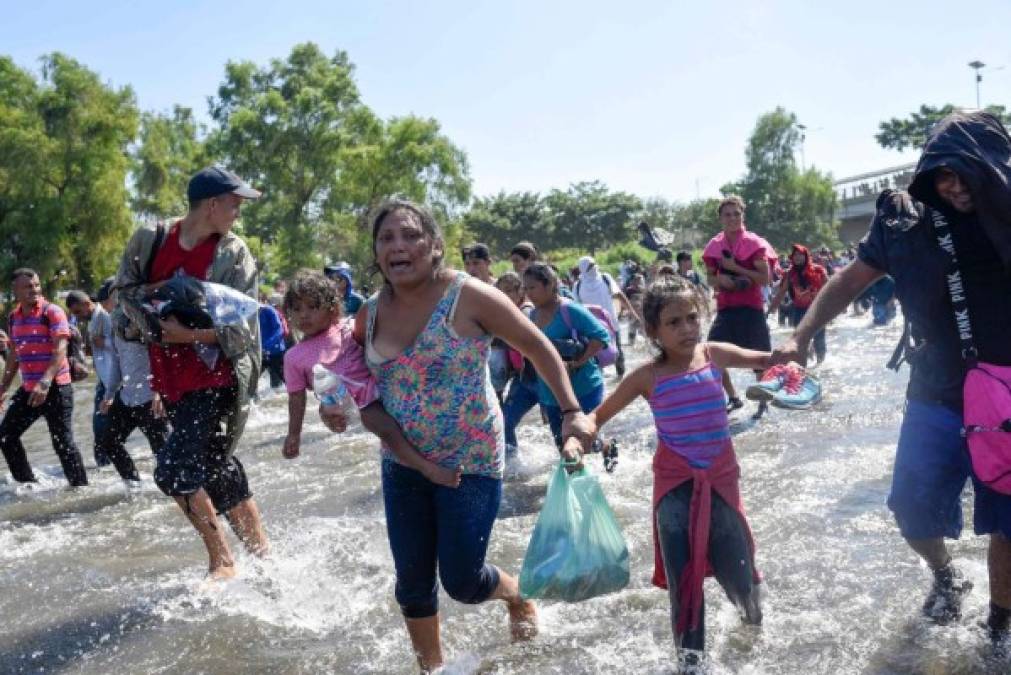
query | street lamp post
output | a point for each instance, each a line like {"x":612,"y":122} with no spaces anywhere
{"x":803,"y":135}
{"x":977,"y":66}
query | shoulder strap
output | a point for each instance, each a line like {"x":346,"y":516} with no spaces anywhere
{"x":44,"y":316}
{"x":455,"y":290}
{"x":159,"y":237}
{"x":563,"y":309}
{"x":956,"y":288}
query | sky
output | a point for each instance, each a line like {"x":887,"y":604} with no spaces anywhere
{"x":651,"y":97}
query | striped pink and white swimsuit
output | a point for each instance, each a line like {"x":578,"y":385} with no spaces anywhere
{"x":690,"y":413}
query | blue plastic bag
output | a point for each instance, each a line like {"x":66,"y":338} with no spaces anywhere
{"x":577,"y":550}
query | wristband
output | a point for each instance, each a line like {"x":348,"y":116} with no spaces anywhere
{"x":569,"y":411}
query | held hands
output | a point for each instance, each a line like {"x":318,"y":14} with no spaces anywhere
{"x":441,"y":475}
{"x":292,"y":444}
{"x":572,"y":454}
{"x":583,"y":428}
{"x":791,"y":350}
{"x":105,"y":406}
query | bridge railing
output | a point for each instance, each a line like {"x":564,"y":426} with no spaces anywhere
{"x":868,"y":185}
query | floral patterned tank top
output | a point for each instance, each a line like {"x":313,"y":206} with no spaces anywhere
{"x":439,"y":392}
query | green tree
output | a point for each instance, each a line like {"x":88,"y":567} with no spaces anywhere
{"x":589,"y":216}
{"x":911,"y":132}
{"x":691,"y":223}
{"x":503,"y":220}
{"x":169,"y":151}
{"x":63,"y":198}
{"x":407,"y":157}
{"x":23,"y":154}
{"x":784,"y":204}
{"x":286,"y":127}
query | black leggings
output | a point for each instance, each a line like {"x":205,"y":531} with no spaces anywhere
{"x":58,"y":409}
{"x":729,"y":554}
{"x":120,"y":423}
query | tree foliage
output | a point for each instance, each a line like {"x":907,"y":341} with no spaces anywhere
{"x":284,"y":127}
{"x":299,"y":129}
{"x":169,"y":151}
{"x":589,"y":215}
{"x":911,"y":132}
{"x":784,"y":204}
{"x":64,"y":137}
{"x":692,"y":223}
{"x":505,"y":219}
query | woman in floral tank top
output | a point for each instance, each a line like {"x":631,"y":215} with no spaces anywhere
{"x":427,"y":333}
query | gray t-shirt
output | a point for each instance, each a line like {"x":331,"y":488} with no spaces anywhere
{"x":131,"y":373}
{"x":100,"y":325}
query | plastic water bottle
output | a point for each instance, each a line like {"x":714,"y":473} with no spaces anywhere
{"x":330,"y":390}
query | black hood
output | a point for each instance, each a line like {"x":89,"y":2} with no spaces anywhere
{"x":976,"y":146}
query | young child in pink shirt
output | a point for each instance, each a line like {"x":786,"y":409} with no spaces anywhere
{"x":313,"y":305}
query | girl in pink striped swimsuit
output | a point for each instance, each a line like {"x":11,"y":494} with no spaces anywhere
{"x":699,"y":525}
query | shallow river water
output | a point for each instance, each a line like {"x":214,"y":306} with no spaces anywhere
{"x":100,"y":581}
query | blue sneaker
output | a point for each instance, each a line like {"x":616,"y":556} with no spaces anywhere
{"x":771,"y":383}
{"x":800,"y":396}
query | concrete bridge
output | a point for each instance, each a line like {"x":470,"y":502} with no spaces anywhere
{"x":856,"y":196}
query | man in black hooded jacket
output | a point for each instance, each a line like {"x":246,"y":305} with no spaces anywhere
{"x":965,"y":174}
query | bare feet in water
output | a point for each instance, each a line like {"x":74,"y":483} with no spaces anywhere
{"x":523,"y":621}
{"x":221,"y":573}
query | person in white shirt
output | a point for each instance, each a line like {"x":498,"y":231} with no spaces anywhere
{"x":599,"y":288}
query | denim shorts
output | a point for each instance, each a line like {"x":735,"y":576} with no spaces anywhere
{"x":931,"y":468}
{"x":196,"y":454}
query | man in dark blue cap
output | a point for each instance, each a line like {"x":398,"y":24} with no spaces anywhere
{"x":207,"y":404}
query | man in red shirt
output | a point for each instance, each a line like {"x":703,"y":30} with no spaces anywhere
{"x":39,"y":331}
{"x":203,"y":377}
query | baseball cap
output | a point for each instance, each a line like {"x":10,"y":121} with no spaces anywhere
{"x":334,"y":269}
{"x":105,"y":290}
{"x":214,"y":181}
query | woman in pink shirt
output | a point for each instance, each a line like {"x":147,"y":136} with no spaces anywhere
{"x":738,"y":266}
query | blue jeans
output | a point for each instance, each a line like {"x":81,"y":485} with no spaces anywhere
{"x":518,"y":402}
{"x":99,"y":424}
{"x":435,"y":528}
{"x":587,"y":402}
{"x":931,"y":468}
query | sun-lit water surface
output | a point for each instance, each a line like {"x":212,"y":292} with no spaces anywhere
{"x":100,"y":581}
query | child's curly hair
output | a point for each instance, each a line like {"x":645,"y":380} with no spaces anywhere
{"x":664,"y":291}
{"x":314,"y":288}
